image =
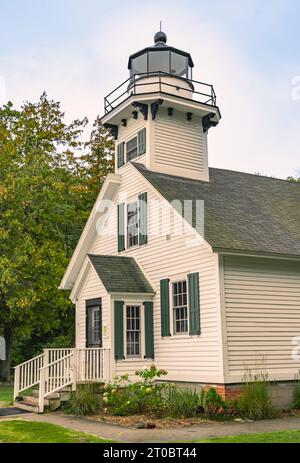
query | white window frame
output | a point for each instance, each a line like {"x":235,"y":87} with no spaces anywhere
{"x":142,"y":330}
{"x":137,"y":148}
{"x":172,"y":283}
{"x":136,"y":201}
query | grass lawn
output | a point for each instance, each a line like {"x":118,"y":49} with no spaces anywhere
{"x":6,"y":395}
{"x":281,"y":437}
{"x":18,"y":431}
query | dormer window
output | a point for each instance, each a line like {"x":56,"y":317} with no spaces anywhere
{"x":131,"y":149}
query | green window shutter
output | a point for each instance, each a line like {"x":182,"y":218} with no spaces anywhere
{"x":149,"y":330}
{"x":194,"y":303}
{"x":120,"y":159}
{"x":119,"y":330}
{"x":121,"y":227}
{"x":143,"y":236}
{"x":142,"y":142}
{"x":165,"y":307}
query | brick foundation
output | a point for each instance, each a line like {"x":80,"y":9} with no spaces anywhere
{"x":281,"y":391}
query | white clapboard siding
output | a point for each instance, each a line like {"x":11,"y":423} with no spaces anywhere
{"x":262,"y":301}
{"x":180,"y":146}
{"x":186,"y":358}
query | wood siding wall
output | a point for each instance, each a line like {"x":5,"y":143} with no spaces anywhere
{"x":262,"y":302}
{"x":186,"y":358}
{"x":180,"y":146}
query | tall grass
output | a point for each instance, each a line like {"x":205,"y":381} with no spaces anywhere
{"x":84,"y":401}
{"x":183,"y":403}
{"x":255,"y":402}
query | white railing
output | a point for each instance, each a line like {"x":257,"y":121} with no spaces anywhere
{"x":92,"y":364}
{"x":27,"y":374}
{"x":55,"y":376}
{"x":58,"y":368}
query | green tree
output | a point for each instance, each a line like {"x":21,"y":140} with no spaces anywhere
{"x":97,"y":161}
{"x":42,"y":210}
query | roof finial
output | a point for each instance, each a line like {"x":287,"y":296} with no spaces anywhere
{"x":160,"y":37}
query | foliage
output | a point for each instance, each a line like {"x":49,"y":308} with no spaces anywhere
{"x":84,"y":401}
{"x":46,"y":192}
{"x":183,"y":403}
{"x":19,"y":431}
{"x":255,"y":402}
{"x":213,"y":402}
{"x":296,"y":393}
{"x":123,"y":397}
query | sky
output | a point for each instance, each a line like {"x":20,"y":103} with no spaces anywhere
{"x":77,"y":51}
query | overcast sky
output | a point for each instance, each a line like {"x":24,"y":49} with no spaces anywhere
{"x":77,"y":51}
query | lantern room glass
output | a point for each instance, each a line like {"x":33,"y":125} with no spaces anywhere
{"x":157,"y":60}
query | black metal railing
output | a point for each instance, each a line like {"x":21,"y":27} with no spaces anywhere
{"x":202,"y":92}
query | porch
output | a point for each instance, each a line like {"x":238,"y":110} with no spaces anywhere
{"x":56,"y":370}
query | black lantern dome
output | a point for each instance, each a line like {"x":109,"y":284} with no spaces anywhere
{"x":161,"y":58}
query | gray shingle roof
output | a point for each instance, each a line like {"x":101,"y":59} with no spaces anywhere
{"x":120,"y":274}
{"x":243,"y":212}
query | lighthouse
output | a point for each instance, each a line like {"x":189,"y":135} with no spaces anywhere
{"x":160,"y":116}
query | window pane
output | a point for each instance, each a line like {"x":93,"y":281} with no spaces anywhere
{"x":131,"y":149}
{"x":180,"y":310}
{"x":139,"y":64}
{"x":179,"y":64}
{"x":133,"y":224}
{"x":159,"y":61}
{"x":133,"y":333}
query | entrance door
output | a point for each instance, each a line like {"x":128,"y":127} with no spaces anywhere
{"x":94,"y":323}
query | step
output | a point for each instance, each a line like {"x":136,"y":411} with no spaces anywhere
{"x":54,"y":395}
{"x":31,"y":400}
{"x":27,"y":407}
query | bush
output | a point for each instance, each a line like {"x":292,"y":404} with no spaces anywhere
{"x":296,"y":396}
{"x":213,"y":403}
{"x":183,"y":403}
{"x":84,"y":401}
{"x":255,"y":402}
{"x":125,"y":398}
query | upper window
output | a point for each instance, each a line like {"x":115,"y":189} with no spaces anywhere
{"x":132,"y":224}
{"x":131,"y":149}
{"x":180,"y":308}
{"x":133,"y":331}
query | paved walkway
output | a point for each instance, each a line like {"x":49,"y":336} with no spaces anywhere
{"x":204,"y":431}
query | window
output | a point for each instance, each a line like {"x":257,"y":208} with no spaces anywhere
{"x":131,"y":149}
{"x":180,"y":309}
{"x":132,"y":224}
{"x":133,"y":331}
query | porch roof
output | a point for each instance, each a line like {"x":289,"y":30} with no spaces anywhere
{"x":120,"y":274}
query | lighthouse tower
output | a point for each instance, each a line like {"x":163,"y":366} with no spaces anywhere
{"x":160,"y":116}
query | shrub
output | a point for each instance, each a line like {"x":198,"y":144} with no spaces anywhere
{"x":125,"y":398}
{"x":255,"y":402}
{"x":183,"y":403}
{"x":84,"y":401}
{"x":296,"y":395}
{"x":213,"y":403}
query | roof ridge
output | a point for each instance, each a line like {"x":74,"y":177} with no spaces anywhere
{"x":253,"y":175}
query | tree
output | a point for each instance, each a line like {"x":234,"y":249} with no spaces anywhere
{"x":42,"y":211}
{"x":98,"y":161}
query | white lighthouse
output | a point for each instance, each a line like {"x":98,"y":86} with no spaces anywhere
{"x":160,"y":116}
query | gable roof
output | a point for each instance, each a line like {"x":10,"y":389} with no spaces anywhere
{"x":120,"y":274}
{"x":243,"y":212}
